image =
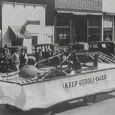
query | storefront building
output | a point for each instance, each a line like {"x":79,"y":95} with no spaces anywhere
{"x":108,"y":8}
{"x":81,"y":20}
{"x":78,"y":21}
{"x":75,"y":20}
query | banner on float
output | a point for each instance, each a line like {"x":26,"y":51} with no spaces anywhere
{"x":48,"y":93}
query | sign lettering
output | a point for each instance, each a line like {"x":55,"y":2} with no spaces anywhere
{"x":85,"y":81}
{"x":70,"y":84}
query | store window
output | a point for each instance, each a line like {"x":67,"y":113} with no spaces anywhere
{"x":63,"y":36}
{"x":94,"y":28}
{"x":63,"y":29}
{"x":108,"y":28}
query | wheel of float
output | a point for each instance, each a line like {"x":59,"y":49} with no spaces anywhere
{"x":90,"y":99}
{"x":49,"y":113}
{"x":12,"y":108}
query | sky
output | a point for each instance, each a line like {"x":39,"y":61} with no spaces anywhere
{"x":108,"y":6}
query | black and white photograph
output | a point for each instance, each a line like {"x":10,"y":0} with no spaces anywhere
{"x":57,"y":57}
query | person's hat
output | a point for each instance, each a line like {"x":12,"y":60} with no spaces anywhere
{"x":17,"y":49}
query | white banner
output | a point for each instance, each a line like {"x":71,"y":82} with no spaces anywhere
{"x":47,"y":93}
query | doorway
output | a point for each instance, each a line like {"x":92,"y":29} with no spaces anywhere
{"x":79,"y":28}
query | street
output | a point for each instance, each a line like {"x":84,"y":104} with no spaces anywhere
{"x":104,"y":105}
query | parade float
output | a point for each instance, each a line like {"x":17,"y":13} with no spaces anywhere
{"x":50,"y":82}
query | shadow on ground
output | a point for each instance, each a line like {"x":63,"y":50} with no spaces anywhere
{"x":57,"y":109}
{"x":103,"y":97}
{"x":99,"y":98}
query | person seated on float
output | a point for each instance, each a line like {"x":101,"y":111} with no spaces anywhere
{"x":2,"y":60}
{"x":74,"y":64}
{"x":64,"y":57}
{"x":40,"y":54}
{"x":6,"y":58}
{"x":15,"y":59}
{"x":23,"y":58}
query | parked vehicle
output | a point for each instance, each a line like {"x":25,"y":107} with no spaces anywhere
{"x":106,"y":47}
{"x":12,"y":48}
{"x":44,"y":51}
{"x":80,"y":46}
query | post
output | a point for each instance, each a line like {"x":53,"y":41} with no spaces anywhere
{"x":70,"y":29}
{"x":87,"y":29}
{"x":102,"y":29}
{"x":1,"y":25}
{"x":55,"y":33}
{"x":113,"y":29}
{"x":95,"y":62}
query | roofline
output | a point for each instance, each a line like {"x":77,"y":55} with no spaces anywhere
{"x":29,"y":4}
{"x":101,"y":42}
{"x":79,"y":12}
{"x":109,"y":13}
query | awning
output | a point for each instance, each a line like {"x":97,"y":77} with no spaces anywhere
{"x":78,"y":12}
{"x":16,"y":31}
{"x":109,"y":13}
